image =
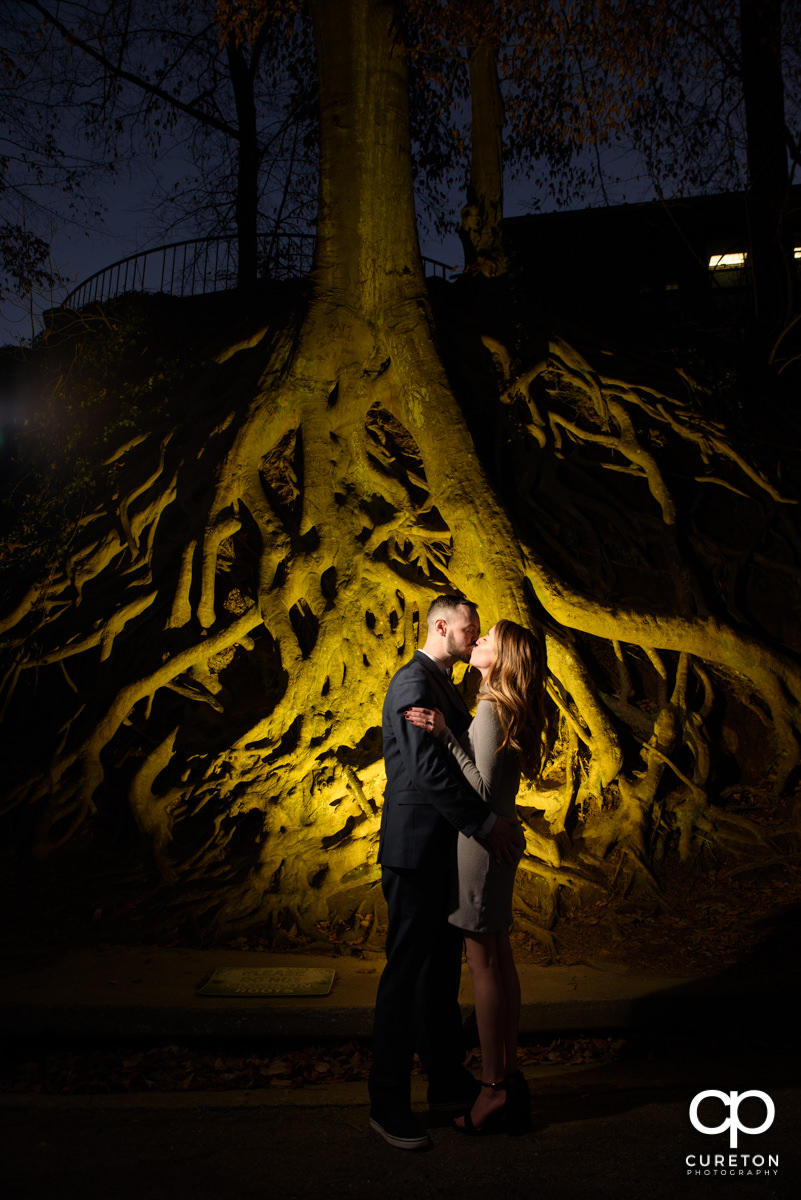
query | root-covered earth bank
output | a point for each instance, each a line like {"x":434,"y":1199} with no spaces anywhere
{"x":193,"y":671}
{"x":194,"y":657}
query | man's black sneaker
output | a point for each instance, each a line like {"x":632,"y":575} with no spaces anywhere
{"x":400,"y":1129}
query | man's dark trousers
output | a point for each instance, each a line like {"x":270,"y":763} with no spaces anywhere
{"x":424,"y":962}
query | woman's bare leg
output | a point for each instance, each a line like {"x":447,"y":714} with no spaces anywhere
{"x":484,"y":961}
{"x":511,"y":989}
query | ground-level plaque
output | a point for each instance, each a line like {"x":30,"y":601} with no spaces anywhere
{"x":269,"y":981}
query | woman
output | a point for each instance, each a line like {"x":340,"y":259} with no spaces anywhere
{"x":506,"y":738}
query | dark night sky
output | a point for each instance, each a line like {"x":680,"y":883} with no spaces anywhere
{"x":82,"y":247}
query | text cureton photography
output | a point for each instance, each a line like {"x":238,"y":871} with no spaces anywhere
{"x":732,"y":1164}
{"x":741,"y":1163}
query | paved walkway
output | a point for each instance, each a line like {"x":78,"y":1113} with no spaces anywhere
{"x":618,"y":1131}
{"x":133,"y":991}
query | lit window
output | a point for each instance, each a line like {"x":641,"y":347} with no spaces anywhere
{"x":725,"y":262}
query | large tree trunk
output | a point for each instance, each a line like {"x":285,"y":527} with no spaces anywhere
{"x":482,"y":217}
{"x":215,"y":646}
{"x":767,"y":195}
{"x":368,"y":266}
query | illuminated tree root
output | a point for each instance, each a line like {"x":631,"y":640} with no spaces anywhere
{"x":211,"y":658}
{"x":275,"y":620}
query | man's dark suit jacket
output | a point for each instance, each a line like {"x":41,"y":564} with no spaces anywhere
{"x":425,"y":802}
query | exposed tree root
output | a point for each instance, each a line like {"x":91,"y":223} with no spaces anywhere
{"x":216,"y":646}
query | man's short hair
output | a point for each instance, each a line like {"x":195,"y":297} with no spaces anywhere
{"x":446,"y":606}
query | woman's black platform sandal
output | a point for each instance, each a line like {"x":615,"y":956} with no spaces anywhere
{"x":518,"y":1104}
{"x":514,"y":1116}
{"x":494,"y":1121}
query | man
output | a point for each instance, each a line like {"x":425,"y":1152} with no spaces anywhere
{"x":426,"y":804}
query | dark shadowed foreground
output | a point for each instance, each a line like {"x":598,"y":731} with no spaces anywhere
{"x":619,"y":1132}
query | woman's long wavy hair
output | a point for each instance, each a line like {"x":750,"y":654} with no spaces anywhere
{"x":516,"y":683}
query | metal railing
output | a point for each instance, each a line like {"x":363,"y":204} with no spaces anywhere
{"x":192,"y":268}
{"x":432,"y":266}
{"x":201,"y":265}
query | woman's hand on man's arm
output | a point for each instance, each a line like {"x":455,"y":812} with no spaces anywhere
{"x":430,"y":719}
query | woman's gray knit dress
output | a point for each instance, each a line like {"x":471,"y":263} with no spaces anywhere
{"x":485,"y":887}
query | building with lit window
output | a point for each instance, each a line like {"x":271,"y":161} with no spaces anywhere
{"x":674,"y":261}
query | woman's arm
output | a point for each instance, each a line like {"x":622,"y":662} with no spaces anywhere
{"x":461,"y":756}
{"x":483,"y":771}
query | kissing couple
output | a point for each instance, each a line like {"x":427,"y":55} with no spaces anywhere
{"x":449,"y":847}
